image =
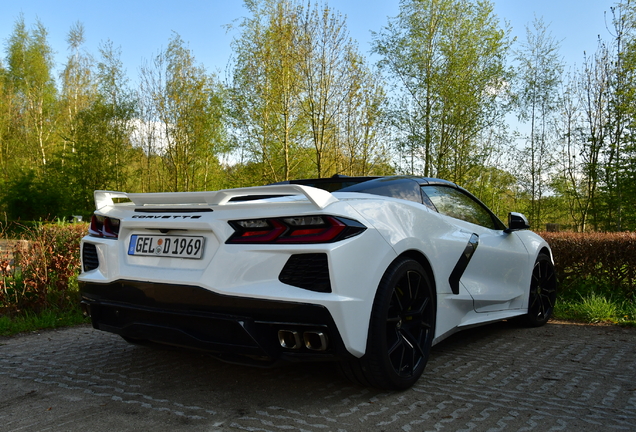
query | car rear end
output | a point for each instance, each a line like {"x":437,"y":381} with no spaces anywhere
{"x":251,"y":275}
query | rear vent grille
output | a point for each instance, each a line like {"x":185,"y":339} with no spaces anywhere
{"x":89,"y":257}
{"x":308,"y":271}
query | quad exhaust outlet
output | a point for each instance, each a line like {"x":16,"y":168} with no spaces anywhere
{"x":289,"y":339}
{"x":312,"y":340}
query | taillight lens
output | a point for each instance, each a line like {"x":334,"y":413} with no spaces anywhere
{"x":103,"y":226}
{"x":297,"y":229}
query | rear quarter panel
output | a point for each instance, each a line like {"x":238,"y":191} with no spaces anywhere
{"x":411,"y":227}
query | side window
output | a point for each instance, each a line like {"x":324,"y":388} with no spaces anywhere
{"x":455,"y":203}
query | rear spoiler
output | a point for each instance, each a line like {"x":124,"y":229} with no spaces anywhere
{"x":320,"y":198}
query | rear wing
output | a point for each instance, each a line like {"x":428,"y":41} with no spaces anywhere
{"x":318,"y":197}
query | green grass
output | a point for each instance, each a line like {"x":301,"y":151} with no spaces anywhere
{"x":47,"y":319}
{"x":594,"y":302}
{"x":597,"y":308}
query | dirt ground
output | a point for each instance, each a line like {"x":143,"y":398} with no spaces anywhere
{"x":495,"y":378}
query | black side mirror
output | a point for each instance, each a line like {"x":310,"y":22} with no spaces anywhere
{"x":516,"y":222}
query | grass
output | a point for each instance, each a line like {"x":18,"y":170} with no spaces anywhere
{"x":595,"y":302}
{"x":47,"y":319}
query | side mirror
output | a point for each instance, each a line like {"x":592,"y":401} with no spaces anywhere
{"x":516,"y":222}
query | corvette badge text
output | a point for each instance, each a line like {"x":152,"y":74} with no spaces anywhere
{"x":166,"y":216}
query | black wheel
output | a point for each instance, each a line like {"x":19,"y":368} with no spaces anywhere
{"x":543,"y":287}
{"x":401,"y":329}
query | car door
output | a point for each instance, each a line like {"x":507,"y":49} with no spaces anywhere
{"x":494,"y":265}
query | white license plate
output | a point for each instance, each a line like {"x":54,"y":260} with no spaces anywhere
{"x":166,"y":246}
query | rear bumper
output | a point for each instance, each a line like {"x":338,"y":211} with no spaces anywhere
{"x":243,"y":330}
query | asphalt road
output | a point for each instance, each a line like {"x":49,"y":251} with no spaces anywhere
{"x":494,"y":378}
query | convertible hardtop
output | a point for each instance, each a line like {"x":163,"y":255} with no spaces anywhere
{"x":318,"y":191}
{"x":343,"y":183}
{"x":403,"y":187}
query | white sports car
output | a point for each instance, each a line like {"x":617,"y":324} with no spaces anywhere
{"x":370,"y":272}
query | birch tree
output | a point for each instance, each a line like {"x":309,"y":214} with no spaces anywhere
{"x":539,"y":70}
{"x":101,"y":134}
{"x":446,"y":61}
{"x":267,"y":95}
{"x":79,"y":88}
{"x":303,"y":95}
{"x":187,"y":109}
{"x":328,"y":81}
{"x":29,"y":72}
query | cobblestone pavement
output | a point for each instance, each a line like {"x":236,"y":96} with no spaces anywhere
{"x":494,"y":378}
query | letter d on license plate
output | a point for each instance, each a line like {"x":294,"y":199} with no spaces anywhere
{"x":166,"y":246}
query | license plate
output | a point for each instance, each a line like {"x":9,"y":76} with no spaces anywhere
{"x":166,"y":246}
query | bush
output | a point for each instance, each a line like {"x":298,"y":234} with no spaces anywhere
{"x":595,"y":260}
{"x":41,"y":270}
{"x":29,"y":197}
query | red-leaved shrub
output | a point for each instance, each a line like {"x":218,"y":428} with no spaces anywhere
{"x":608,"y":258}
{"x":36,"y":271}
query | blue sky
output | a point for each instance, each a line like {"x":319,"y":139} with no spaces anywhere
{"x":142,"y":28}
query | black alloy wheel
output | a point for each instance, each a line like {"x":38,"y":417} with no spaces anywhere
{"x":543,"y":288}
{"x":401,"y":329}
{"x":406,"y":325}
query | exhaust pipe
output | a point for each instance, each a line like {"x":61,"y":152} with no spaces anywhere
{"x":86,"y":309}
{"x":289,"y":339}
{"x":315,"y":340}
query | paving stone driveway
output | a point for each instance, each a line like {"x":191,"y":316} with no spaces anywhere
{"x":494,"y":378}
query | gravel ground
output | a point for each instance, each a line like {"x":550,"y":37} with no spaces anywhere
{"x":494,"y":378}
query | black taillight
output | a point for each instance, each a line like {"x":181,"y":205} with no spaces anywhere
{"x":104,"y":226}
{"x":296,"y":229}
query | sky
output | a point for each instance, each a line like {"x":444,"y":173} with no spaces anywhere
{"x":142,"y":28}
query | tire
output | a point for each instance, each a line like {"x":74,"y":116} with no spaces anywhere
{"x":543,"y":288}
{"x":401,"y":329}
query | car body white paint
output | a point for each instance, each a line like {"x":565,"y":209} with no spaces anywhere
{"x":495,"y":285}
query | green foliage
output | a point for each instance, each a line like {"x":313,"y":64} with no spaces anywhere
{"x":596,"y":277}
{"x":597,"y":116}
{"x":628,"y":309}
{"x":594,"y":303}
{"x":101,"y":149}
{"x":597,"y":308}
{"x":30,"y":77}
{"x":182,"y":114}
{"x":28,"y":197}
{"x":538,"y":78}
{"x":38,"y":272}
{"x":446,"y":59}
{"x":304,"y":102}
{"x":46,"y":319}
{"x":301,"y":100}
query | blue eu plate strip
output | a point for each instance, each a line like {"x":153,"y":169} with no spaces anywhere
{"x":131,"y":246}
